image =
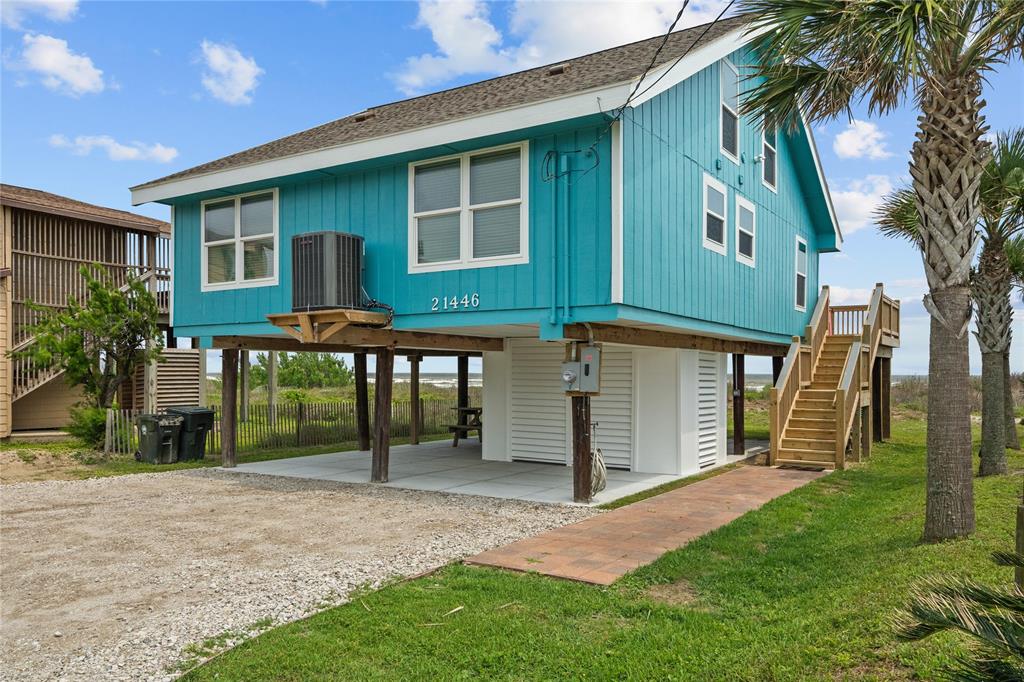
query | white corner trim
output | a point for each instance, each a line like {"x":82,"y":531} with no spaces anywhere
{"x":617,"y":213}
{"x":717,"y":184}
{"x":170,"y":284}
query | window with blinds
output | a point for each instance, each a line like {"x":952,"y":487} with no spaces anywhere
{"x":801,"y":274}
{"x":746,"y":219}
{"x":240,"y":240}
{"x":729,"y":88}
{"x":469,"y":210}
{"x":714,"y":214}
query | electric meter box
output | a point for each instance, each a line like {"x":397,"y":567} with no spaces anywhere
{"x":583,"y":375}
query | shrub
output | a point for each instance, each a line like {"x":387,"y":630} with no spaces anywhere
{"x":89,"y":424}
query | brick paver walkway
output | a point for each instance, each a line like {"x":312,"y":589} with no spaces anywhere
{"x":605,"y":547}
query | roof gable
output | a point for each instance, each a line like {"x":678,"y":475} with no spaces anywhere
{"x":46,"y":202}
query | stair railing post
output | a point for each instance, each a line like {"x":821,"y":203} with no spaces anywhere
{"x":840,"y":430}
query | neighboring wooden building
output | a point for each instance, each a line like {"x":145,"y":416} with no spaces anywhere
{"x":597,"y":200}
{"x":45,"y":239}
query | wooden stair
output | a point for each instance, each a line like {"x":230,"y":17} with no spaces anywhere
{"x":809,"y":437}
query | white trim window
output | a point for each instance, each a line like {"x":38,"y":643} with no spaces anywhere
{"x":469,"y":210}
{"x":801,"y":274}
{"x":729,"y":89}
{"x":770,"y":159}
{"x":714,"y":223}
{"x":239,"y":240}
{"x":746,"y":231}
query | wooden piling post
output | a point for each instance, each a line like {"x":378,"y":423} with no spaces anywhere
{"x":362,"y":402}
{"x":876,"y":400}
{"x":272,"y":387}
{"x":414,"y":399}
{"x":462,"y":399}
{"x":886,"y":398}
{"x":382,"y":413}
{"x":582,"y":459}
{"x":777,"y":362}
{"x":243,"y":385}
{"x":739,"y":440}
{"x":229,"y":406}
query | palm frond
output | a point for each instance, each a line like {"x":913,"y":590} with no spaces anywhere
{"x":1014,"y":248}
{"x":897,"y":216}
{"x":984,"y":668}
{"x":931,"y":612}
{"x":1011,"y":559}
{"x":1002,"y":186}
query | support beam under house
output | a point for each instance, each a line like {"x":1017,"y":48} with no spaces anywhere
{"x":414,"y":399}
{"x":582,"y":457}
{"x":462,"y":399}
{"x":739,"y":439}
{"x":382,"y":389}
{"x":229,"y":407}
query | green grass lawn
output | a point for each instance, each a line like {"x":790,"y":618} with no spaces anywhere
{"x":804,"y":588}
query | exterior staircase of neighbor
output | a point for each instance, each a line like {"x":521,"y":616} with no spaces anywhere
{"x":822,"y":403}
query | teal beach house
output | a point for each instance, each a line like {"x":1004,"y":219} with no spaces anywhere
{"x":589,"y":202}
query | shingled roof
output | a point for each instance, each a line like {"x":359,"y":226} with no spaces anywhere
{"x":45,"y":202}
{"x":600,"y":69}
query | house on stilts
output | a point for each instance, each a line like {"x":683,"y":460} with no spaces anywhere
{"x":586,"y":204}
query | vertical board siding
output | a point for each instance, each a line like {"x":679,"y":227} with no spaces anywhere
{"x":537,"y":402}
{"x":612,"y":411}
{"x":373,"y":203}
{"x":709,"y":408}
{"x":668,"y":143}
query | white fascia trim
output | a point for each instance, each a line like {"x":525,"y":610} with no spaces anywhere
{"x":617,"y":213}
{"x":824,"y":183}
{"x":549,"y":111}
{"x":170,"y":264}
{"x":696,"y":61}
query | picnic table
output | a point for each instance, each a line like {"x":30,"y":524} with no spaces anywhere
{"x":469,"y":420}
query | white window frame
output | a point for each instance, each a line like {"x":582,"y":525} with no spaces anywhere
{"x":796,"y":271}
{"x":764,"y":159}
{"x":465,"y":209}
{"x":741,"y":203}
{"x":710,"y":244}
{"x":239,"y":241}
{"x":726,"y":64}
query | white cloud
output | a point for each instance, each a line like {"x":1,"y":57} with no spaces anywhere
{"x":856,"y":203}
{"x":861,"y":140}
{"x":116,"y":151}
{"x":14,"y":13}
{"x":60,"y":69}
{"x":230,"y":76}
{"x":544,"y":32}
{"x":838,"y":295}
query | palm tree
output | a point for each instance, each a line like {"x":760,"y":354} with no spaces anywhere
{"x":1002,"y":217}
{"x":819,"y":58}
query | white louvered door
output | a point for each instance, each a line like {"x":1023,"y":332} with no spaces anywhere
{"x":708,"y":408}
{"x":613,"y":409}
{"x":537,"y":402}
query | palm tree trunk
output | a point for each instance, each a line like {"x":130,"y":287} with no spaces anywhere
{"x":946,"y":166}
{"x":1012,"y":437}
{"x":949,"y":507}
{"x":992,"y":293}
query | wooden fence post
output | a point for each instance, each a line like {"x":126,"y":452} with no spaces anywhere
{"x":382,"y":411}
{"x":362,"y":402}
{"x":581,"y":455}
{"x":229,"y":405}
{"x":300,"y":416}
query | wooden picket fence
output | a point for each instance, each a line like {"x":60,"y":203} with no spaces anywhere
{"x":292,"y":425}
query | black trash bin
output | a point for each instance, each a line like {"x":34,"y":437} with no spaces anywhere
{"x":195,"y":425}
{"x":158,"y":438}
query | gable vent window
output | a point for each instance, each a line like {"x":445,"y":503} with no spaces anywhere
{"x":239,"y":246}
{"x":730,"y":87}
{"x":801,"y":274}
{"x":769,"y":162}
{"x":469,"y":210}
{"x":746,"y":230}
{"x":714,"y":214}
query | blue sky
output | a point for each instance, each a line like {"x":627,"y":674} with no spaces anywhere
{"x":98,"y":96}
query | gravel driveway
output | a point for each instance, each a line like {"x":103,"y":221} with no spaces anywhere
{"x":111,"y":578}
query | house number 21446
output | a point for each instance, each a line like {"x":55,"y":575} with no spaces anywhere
{"x":454,"y":302}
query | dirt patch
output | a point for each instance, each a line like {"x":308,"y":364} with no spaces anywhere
{"x":28,"y":464}
{"x":114,"y":578}
{"x":679,"y":593}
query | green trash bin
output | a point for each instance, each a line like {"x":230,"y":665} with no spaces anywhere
{"x":158,"y":438}
{"x":196,"y":423}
